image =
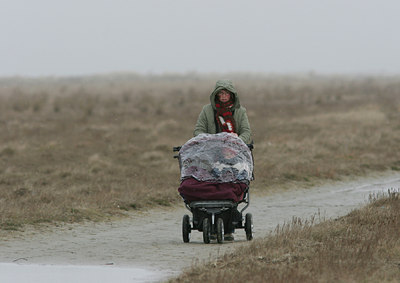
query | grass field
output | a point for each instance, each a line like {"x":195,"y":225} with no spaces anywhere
{"x":363,"y":246}
{"x":82,"y":148}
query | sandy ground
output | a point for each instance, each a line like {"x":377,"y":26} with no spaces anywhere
{"x":149,"y":245}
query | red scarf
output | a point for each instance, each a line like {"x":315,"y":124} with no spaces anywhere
{"x":224,"y":116}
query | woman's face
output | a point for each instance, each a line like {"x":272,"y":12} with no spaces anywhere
{"x":224,"y":96}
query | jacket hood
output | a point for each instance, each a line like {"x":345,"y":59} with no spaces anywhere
{"x":228,"y":85}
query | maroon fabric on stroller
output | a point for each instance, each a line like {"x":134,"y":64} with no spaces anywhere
{"x":193,"y":190}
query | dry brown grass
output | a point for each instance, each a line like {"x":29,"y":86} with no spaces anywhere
{"x":93,"y":147}
{"x":363,"y":246}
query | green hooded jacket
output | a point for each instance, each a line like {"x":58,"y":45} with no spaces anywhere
{"x":206,"y":122}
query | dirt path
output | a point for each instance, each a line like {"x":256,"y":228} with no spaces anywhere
{"x":153,"y":239}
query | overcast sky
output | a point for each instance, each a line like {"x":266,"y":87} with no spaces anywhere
{"x":75,"y":37}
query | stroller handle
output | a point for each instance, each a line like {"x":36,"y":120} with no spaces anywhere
{"x":178,"y":148}
{"x":175,"y":149}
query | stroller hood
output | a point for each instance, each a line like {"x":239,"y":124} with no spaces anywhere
{"x":219,"y":158}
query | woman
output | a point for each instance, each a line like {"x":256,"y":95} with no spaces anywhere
{"x":224,"y":113}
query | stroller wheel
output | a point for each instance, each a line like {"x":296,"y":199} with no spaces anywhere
{"x":186,"y":228}
{"x":220,"y":231}
{"x":206,"y":231}
{"x":248,"y":226}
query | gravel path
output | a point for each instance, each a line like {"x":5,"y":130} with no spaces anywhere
{"x":153,"y":240}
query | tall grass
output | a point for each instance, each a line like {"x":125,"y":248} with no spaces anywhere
{"x":95,"y":147}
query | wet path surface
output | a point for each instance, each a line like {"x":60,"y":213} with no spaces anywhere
{"x":153,"y":240}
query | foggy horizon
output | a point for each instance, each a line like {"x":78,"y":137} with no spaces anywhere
{"x":74,"y":38}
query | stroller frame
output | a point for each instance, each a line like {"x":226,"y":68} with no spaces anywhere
{"x":212,"y":216}
{"x":209,"y":217}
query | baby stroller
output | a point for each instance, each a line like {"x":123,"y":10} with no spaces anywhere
{"x":216,"y":170}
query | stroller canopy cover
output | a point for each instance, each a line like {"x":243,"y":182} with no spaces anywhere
{"x":219,"y":158}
